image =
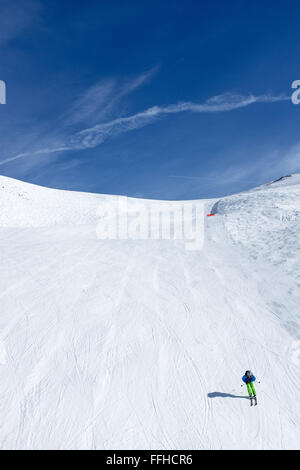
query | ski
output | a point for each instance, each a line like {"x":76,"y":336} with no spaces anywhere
{"x":253,"y":401}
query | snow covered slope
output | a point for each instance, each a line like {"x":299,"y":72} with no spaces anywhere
{"x":141,"y":343}
{"x":27,"y":205}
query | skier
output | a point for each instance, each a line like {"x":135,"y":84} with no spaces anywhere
{"x":249,"y":378}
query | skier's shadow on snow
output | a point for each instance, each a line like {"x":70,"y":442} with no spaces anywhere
{"x":225,"y":395}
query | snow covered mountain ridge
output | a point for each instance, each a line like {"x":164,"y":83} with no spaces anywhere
{"x":141,"y":343}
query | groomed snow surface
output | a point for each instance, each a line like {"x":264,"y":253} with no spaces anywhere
{"x":141,"y":344}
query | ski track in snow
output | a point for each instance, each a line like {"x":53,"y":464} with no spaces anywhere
{"x":141,"y":344}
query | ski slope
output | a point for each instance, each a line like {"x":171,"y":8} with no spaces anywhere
{"x":141,"y":344}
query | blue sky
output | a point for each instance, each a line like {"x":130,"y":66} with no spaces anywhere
{"x":156,"y":99}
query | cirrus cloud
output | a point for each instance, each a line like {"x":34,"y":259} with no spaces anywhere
{"x":98,"y":134}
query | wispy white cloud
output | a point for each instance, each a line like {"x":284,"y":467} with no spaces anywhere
{"x":282,"y":163}
{"x":247,"y":172}
{"x":132,"y":84}
{"x":98,"y":134}
{"x":92,"y":103}
{"x":102,"y":98}
{"x":96,"y":103}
